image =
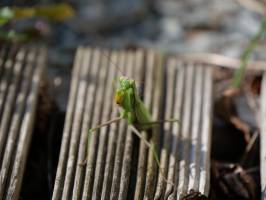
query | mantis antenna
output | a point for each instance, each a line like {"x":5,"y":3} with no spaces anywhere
{"x":108,"y":57}
{"x":114,"y":64}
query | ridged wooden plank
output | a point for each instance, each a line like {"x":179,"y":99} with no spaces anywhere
{"x":157,"y":97}
{"x":82,"y":151}
{"x":143,"y":151}
{"x":22,"y":73}
{"x":11,"y":97}
{"x":193,"y":183}
{"x":164,"y":157}
{"x":205,"y":140}
{"x":185,"y":132}
{"x":263,"y":138}
{"x":76,"y":126}
{"x":103,"y":133}
{"x":127,"y":157}
{"x":119,"y":152}
{"x":173,"y":167}
{"x":26,"y":130}
{"x":94,"y":138}
{"x":9,"y":131}
{"x":4,"y":84}
{"x":112,"y":141}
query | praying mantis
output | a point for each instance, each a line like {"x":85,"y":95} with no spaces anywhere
{"x":133,"y":110}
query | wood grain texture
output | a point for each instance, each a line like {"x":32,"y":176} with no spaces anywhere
{"x":119,"y":165}
{"x":263,"y":138}
{"x":19,"y":82}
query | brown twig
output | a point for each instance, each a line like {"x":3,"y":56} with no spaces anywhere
{"x":220,"y":60}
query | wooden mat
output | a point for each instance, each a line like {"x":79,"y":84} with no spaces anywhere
{"x":119,"y":165}
{"x":20,"y":74}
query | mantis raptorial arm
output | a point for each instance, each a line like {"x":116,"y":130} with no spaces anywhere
{"x":105,"y":124}
{"x":98,"y":127}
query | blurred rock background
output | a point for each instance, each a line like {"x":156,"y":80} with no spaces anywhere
{"x":175,"y":26}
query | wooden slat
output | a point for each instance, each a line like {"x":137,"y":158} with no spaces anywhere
{"x":115,"y":184}
{"x":102,"y":150}
{"x":205,"y":136}
{"x":10,"y":131}
{"x":156,"y":99}
{"x":263,"y":138}
{"x":84,"y":131}
{"x":5,"y":80}
{"x":185,"y":132}
{"x":143,"y":151}
{"x":97,"y":114}
{"x":119,"y":165}
{"x":127,"y":157}
{"x":76,"y":126}
{"x":195,"y":131}
{"x":173,"y":167}
{"x":11,"y":96}
{"x":111,"y":146}
{"x":19,"y":89}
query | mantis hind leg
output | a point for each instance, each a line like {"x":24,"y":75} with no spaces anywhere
{"x":161,"y":122}
{"x":153,"y":149}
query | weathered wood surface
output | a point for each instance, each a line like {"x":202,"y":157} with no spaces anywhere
{"x":263,"y":139}
{"x":20,"y":74}
{"x":119,"y":165}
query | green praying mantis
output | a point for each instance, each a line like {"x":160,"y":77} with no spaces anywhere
{"x":133,"y":110}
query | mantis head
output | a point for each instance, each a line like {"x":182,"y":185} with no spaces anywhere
{"x":125,"y":93}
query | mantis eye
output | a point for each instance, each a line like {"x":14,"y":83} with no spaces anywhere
{"x":118,"y":98}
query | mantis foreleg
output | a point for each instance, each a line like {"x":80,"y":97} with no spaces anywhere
{"x":98,"y":127}
{"x":105,"y":124}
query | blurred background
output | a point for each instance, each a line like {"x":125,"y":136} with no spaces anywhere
{"x":176,"y":26}
{"x":222,"y":27}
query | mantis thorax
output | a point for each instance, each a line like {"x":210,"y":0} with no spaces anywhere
{"x":125,"y":97}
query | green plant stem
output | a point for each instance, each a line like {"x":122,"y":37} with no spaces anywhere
{"x":239,"y":73}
